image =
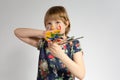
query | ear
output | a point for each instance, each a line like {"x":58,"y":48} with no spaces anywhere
{"x":67,"y":23}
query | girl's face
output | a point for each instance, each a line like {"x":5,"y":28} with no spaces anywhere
{"x":55,"y":24}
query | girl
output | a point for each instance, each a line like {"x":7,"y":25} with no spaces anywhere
{"x":57,"y":61}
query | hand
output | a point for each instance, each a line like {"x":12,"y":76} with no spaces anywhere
{"x":47,"y":34}
{"x":52,"y":35}
{"x":55,"y":49}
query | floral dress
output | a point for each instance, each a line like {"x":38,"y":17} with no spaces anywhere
{"x":50,"y":67}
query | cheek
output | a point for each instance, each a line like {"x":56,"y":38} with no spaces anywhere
{"x":62,"y":30}
{"x":58,"y":27}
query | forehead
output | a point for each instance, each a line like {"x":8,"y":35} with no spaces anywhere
{"x":52,"y":17}
{"x":50,"y":20}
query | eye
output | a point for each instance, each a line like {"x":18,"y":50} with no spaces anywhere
{"x":57,"y":22}
{"x":49,"y":23}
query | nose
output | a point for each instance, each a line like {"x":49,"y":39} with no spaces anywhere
{"x":52,"y":27}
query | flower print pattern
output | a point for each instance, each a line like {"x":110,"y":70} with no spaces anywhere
{"x":43,"y":67}
{"x":50,"y":56}
{"x":51,"y":68}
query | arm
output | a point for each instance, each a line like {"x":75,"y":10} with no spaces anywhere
{"x":76,"y":64}
{"x":29,"y":36}
{"x":76,"y":67}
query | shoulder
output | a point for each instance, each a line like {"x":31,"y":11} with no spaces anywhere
{"x":41,"y":43}
{"x":75,"y":46}
{"x":75,"y":43}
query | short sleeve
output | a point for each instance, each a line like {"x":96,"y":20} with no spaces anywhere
{"x":40,"y":43}
{"x":75,"y":46}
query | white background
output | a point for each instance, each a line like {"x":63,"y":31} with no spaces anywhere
{"x":97,"y":20}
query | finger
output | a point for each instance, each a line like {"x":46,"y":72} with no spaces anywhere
{"x":50,"y":43}
{"x":51,"y":50}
